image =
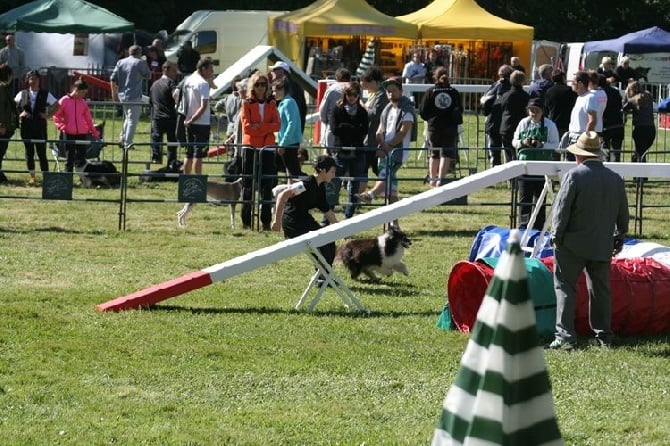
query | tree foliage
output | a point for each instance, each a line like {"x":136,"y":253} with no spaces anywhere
{"x":565,"y":20}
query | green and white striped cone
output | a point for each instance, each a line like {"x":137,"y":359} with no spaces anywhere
{"x":502,"y":394}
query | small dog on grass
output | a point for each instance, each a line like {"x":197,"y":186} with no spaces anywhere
{"x":370,"y":256}
{"x":216,"y":190}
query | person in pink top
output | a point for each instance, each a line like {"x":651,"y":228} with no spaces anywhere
{"x":73,"y":119}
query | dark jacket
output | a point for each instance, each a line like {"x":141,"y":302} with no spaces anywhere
{"x":491,"y":106}
{"x":375,"y":107}
{"x":613,"y":114}
{"x":558,"y":103}
{"x":350,"y":130}
{"x":298,"y":95}
{"x":513,"y":104}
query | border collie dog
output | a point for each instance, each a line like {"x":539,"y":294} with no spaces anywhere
{"x":370,"y":256}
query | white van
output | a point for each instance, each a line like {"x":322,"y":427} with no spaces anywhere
{"x":225,"y":36}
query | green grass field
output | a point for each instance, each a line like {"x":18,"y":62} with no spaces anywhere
{"x":234,"y":363}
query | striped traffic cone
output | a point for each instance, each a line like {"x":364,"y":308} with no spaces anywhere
{"x":502,"y":394}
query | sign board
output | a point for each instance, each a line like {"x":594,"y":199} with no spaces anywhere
{"x":57,"y":186}
{"x":192,"y":189}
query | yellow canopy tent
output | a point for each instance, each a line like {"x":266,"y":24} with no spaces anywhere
{"x":333,"y":19}
{"x":464,"y":23}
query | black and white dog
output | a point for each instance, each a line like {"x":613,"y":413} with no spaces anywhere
{"x":381,"y":255}
{"x":98,"y":173}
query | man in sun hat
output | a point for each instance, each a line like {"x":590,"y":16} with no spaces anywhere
{"x":589,"y":222}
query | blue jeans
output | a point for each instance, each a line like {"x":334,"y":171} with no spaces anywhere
{"x":355,"y":167}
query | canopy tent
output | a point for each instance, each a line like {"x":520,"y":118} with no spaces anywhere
{"x":333,"y":19}
{"x":464,"y":20}
{"x":650,"y":40}
{"x":63,"y":16}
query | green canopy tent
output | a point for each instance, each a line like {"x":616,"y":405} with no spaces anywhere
{"x":63,"y":16}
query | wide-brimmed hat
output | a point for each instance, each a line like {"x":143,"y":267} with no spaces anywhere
{"x":588,"y":144}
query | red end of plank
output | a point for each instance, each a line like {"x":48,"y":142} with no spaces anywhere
{"x":157,"y":293}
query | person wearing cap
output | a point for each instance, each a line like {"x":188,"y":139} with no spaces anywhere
{"x":624,"y":72}
{"x":535,"y":137}
{"x":281,"y":70}
{"x":294,"y":203}
{"x":589,"y":222}
{"x":33,"y":107}
{"x":442,"y":110}
{"x":393,"y":137}
{"x":126,"y":86}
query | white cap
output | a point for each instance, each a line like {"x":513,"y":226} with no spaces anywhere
{"x":280,"y":64}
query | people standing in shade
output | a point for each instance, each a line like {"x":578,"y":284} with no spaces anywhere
{"x":281,"y":70}
{"x":513,"y":104}
{"x":535,"y":137}
{"x":350,"y":127}
{"x":559,"y":101}
{"x":294,"y":203}
{"x":492,"y":109}
{"x":641,"y":105}
{"x":442,"y":110}
{"x":187,"y":58}
{"x":515,"y":63}
{"x":260,"y":120}
{"x":13,"y":56}
{"x":164,"y":115}
{"x":290,"y":135}
{"x":624,"y":72}
{"x":431,"y":64}
{"x":33,"y":107}
{"x":606,"y":68}
{"x":126,"y":85}
{"x":589,"y":222}
{"x":371,"y":81}
{"x":8,"y":116}
{"x":197,"y":120}
{"x":393,"y":136}
{"x":73,"y":118}
{"x":538,"y":88}
{"x":613,"y":125}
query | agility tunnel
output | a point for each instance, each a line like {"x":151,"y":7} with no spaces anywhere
{"x":640,"y":295}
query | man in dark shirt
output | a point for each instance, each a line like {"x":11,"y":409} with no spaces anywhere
{"x":187,"y":58}
{"x":559,"y":100}
{"x":163,"y":115}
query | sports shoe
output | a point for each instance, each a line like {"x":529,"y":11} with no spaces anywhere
{"x":560,"y":344}
{"x":602,"y":343}
{"x":365,"y":197}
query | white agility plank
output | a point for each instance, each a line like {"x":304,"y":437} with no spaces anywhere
{"x":376,"y":217}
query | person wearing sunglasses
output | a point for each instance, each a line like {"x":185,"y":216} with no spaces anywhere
{"x":260,"y":120}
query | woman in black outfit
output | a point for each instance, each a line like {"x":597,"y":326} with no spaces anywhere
{"x":294,"y":203}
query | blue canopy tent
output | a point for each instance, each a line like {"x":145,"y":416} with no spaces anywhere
{"x":650,"y":40}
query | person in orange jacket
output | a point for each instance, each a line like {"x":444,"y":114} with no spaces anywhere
{"x":260,"y":120}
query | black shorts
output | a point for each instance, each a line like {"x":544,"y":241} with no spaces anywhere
{"x":198,"y":139}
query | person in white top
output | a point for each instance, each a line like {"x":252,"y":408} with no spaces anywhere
{"x":33,"y":105}
{"x":584,"y":116}
{"x":197,"y":116}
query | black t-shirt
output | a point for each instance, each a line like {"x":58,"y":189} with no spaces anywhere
{"x":296,"y":219}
